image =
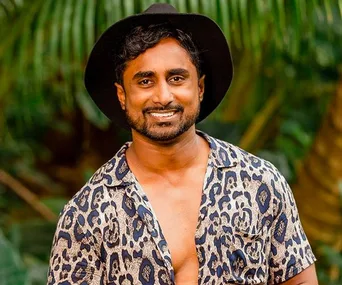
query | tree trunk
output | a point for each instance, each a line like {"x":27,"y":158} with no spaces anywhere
{"x":319,"y":186}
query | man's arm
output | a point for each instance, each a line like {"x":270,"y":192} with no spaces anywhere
{"x":75,"y":257}
{"x":306,"y":277}
{"x":291,"y":257}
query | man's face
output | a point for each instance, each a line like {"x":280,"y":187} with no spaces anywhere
{"x":162,"y":92}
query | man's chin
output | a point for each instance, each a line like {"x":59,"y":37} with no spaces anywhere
{"x":163,"y":133}
{"x":162,"y":136}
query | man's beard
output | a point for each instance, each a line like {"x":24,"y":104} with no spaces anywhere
{"x":147,"y":129}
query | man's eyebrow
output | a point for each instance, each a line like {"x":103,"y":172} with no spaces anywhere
{"x":178,"y":71}
{"x":143,"y":74}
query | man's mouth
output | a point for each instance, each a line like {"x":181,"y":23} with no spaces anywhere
{"x":162,"y":114}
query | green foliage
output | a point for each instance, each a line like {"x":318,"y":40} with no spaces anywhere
{"x":44,"y":51}
{"x":12,"y":270}
{"x":24,"y":258}
{"x":288,"y":48}
{"x":330,"y":259}
{"x":329,"y":265}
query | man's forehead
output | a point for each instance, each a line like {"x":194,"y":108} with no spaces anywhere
{"x":167,"y":54}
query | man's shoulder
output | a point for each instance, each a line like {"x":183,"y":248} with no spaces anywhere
{"x":246,"y":167}
{"x":253,"y":175}
{"x":240,"y":156}
{"x":102,"y":185}
{"x":113,"y":172}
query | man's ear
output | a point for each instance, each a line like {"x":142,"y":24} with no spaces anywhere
{"x":201,"y":87}
{"x":120,"y":92}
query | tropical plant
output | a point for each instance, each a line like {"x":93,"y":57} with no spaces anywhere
{"x":287,"y":60}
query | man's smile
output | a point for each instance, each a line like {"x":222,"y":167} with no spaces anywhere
{"x":162,"y":114}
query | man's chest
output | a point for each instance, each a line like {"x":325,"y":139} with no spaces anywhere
{"x":217,"y":229}
{"x":177,"y":211}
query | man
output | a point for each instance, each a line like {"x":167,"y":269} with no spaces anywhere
{"x":175,"y":206}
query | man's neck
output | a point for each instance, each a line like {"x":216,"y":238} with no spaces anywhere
{"x":164,"y":157}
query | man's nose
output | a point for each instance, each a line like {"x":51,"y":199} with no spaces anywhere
{"x":163,"y":94}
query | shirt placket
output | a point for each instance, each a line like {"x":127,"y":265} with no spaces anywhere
{"x":147,"y":215}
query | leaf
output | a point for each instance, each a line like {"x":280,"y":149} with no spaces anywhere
{"x":182,"y":6}
{"x":208,"y":9}
{"x":91,"y":111}
{"x":36,"y":270}
{"x":296,"y":28}
{"x":12,"y":271}
{"x":100,"y":16}
{"x":333,"y":256}
{"x":6,"y":80}
{"x":38,"y":66}
{"x":194,"y":6}
{"x":279,"y":22}
{"x":128,"y":8}
{"x":89,"y":25}
{"x":243,"y":12}
{"x":56,"y":19}
{"x":65,"y":49}
{"x":117,"y":10}
{"x":318,"y":11}
{"x":223,"y":15}
{"x":55,"y":204}
{"x":173,"y":3}
{"x":310,"y":18}
{"x":296,"y":132}
{"x":29,"y":242}
{"x":328,"y":11}
{"x":17,"y":29}
{"x":235,"y":24}
{"x":77,"y":36}
{"x":259,"y":28}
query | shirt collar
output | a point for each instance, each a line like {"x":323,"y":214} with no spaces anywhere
{"x":117,"y":173}
{"x":222,"y":154}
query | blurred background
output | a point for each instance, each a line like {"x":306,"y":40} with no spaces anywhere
{"x":285,"y":105}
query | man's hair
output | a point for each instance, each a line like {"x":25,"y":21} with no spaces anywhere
{"x":142,"y":38}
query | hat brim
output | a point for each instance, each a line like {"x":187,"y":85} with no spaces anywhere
{"x":216,"y":62}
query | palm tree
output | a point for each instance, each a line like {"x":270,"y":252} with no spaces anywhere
{"x":319,"y":185}
{"x":286,"y":53}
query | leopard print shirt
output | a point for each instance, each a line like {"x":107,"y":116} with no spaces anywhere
{"x":248,"y":229}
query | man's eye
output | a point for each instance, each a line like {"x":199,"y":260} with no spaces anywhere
{"x":145,"y":82}
{"x":176,"y":79}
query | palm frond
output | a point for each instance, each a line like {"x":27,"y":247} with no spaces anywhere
{"x":45,"y":49}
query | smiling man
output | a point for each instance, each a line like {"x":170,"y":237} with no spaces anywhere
{"x":161,"y":90}
{"x":175,"y":206}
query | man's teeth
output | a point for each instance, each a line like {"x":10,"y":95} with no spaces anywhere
{"x":169,"y":114}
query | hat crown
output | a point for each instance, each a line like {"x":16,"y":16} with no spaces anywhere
{"x":160,"y":8}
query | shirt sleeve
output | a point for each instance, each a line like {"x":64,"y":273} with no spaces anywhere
{"x":290,"y":249}
{"x":75,"y":255}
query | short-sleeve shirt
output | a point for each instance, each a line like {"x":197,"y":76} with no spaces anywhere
{"x":248,"y":229}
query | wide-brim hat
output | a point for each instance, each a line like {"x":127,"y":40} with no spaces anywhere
{"x":216,"y":62}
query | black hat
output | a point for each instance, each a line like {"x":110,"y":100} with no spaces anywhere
{"x":216,"y":62}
